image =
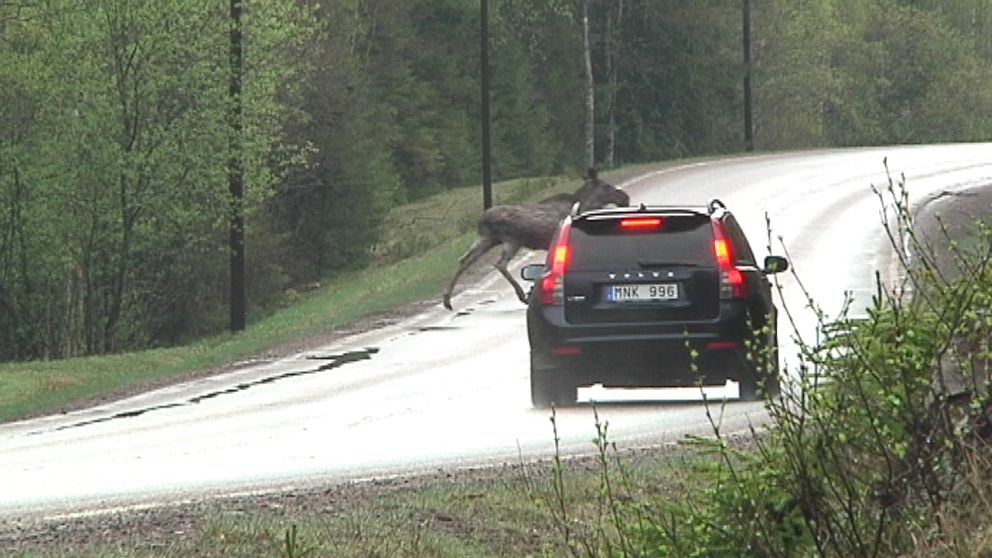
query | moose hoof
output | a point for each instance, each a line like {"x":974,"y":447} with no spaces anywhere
{"x":447,"y":302}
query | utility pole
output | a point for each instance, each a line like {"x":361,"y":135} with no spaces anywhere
{"x":487,"y":176}
{"x":235,"y":177}
{"x":590,"y":89}
{"x":748,"y":103}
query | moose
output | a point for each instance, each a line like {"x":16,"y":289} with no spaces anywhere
{"x":532,"y":226}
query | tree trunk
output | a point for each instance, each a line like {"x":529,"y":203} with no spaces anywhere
{"x":121,"y":267}
{"x":590,"y":89}
{"x":748,"y":100}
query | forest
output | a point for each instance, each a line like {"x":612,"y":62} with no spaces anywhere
{"x":116,"y":135}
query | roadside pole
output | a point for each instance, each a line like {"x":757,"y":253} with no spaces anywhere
{"x":487,"y":178}
{"x":748,"y":103}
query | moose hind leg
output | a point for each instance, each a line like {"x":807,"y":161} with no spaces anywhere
{"x":510,"y":250}
{"x":479,"y":247}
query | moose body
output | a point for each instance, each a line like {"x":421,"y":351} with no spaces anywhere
{"x":531,"y":226}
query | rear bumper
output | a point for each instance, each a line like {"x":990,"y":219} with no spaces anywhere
{"x":643,"y":355}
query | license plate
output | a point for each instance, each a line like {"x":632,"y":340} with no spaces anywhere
{"x":642,"y":292}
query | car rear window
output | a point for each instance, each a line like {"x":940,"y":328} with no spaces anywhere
{"x":679,"y":240}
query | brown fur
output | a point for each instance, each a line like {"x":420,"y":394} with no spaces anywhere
{"x":531,"y":226}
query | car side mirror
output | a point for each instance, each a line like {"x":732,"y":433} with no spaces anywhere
{"x":775,"y":264}
{"x":532,"y":272}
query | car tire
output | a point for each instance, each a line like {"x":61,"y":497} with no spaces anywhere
{"x":550,"y":385}
{"x":759,"y":380}
{"x":753,"y":389}
{"x":756,"y":384}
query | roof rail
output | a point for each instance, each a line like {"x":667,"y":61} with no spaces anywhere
{"x":715,"y":204}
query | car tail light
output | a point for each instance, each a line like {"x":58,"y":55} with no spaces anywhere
{"x":553,"y":283}
{"x":641,"y":223}
{"x":732,"y":284}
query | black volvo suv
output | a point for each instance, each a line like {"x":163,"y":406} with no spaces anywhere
{"x":651,"y":296}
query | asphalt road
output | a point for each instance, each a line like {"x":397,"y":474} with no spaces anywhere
{"x":450,"y":390}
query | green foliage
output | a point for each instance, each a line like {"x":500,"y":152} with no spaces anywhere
{"x":523,"y":143}
{"x":123,"y":106}
{"x":331,"y":208}
{"x":671,"y":105}
{"x":548,"y":31}
{"x":840,"y":72}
